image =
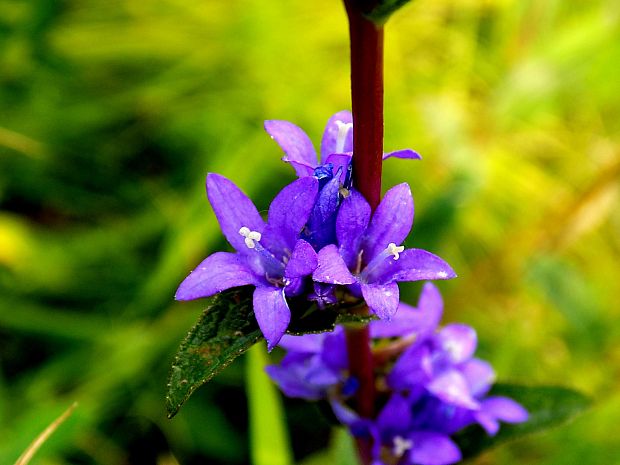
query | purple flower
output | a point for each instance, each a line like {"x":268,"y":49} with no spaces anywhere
{"x":445,"y":379}
{"x":396,"y":439}
{"x":316,"y":362}
{"x":269,"y":256}
{"x":434,"y":388}
{"x":450,"y":417}
{"x":336,"y":145}
{"x":368,"y":257}
{"x":441,"y":365}
{"x":313,"y":364}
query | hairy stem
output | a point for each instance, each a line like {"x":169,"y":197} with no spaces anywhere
{"x":367,"y":106}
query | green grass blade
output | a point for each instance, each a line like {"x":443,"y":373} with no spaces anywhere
{"x":269,"y":442}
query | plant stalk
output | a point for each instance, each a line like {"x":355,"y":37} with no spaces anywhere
{"x":367,"y":106}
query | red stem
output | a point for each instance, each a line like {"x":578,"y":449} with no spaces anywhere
{"x":367,"y":106}
{"x":367,"y":103}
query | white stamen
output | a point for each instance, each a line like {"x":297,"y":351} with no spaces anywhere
{"x":395,"y":250}
{"x":401,"y":445}
{"x":343,"y":130}
{"x":250,"y":237}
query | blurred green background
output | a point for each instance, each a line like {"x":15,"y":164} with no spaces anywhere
{"x":112,"y":112}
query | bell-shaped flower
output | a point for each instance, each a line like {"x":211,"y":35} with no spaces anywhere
{"x":336,"y":145}
{"x":488,"y":412}
{"x":396,"y":438}
{"x":442,"y":363}
{"x":269,"y":255}
{"x":312,"y":365}
{"x":369,"y":258}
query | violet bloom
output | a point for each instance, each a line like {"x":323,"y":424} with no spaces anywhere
{"x":447,"y":382}
{"x":441,"y":363}
{"x":268,"y":255}
{"x":394,"y":437}
{"x":450,"y":418}
{"x":336,"y":145}
{"x":313,"y":364}
{"x":369,"y":258}
{"x":316,"y":363}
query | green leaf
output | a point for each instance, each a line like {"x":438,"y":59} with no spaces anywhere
{"x":548,"y":406}
{"x":226,"y":329}
{"x":269,"y":442}
{"x":383,"y":9}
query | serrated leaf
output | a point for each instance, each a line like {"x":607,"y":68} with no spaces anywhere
{"x":346,"y":318}
{"x":383,"y":9}
{"x":548,"y":406}
{"x":226,"y":329}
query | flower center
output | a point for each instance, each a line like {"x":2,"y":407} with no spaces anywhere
{"x":381,"y":263}
{"x":401,"y":445}
{"x":250,"y":237}
{"x":395,"y":250}
{"x":263,"y":262}
{"x":343,"y":130}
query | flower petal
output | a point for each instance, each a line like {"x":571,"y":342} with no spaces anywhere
{"x":293,"y":384}
{"x":505,"y":409}
{"x":382,"y":299}
{"x":323,"y":294}
{"x":321,"y":227}
{"x":272,"y":313}
{"x":488,"y":422}
{"x":298,"y":148}
{"x":452,"y":388}
{"x":405,"y":153}
{"x":329,"y":142}
{"x":407,"y":320}
{"x":458,"y":342}
{"x":413,"y":265}
{"x":431,"y":303}
{"x":308,"y":343}
{"x":288,"y":213}
{"x":217,"y":272}
{"x":479,"y":375}
{"x":433,"y":449}
{"x":395,"y":417}
{"x":391,"y":221}
{"x":332,"y":269}
{"x":334,"y":354}
{"x":499,"y":408}
{"x":233,"y":210}
{"x":421,"y":320}
{"x":352,"y":221}
{"x":340,"y":163}
{"x":303,"y":261}
{"x":411,"y":368}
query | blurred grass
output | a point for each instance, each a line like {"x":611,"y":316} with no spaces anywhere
{"x":269,"y":442}
{"x":111,"y":113}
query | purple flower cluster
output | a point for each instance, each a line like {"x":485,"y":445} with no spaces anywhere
{"x":323,"y":248}
{"x":320,"y":239}
{"x":430,"y":386}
